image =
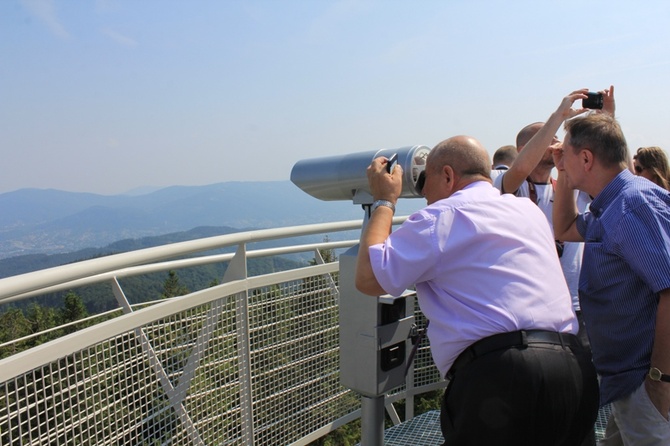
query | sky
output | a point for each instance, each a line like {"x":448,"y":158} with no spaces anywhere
{"x":108,"y":96}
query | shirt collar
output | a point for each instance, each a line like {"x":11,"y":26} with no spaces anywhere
{"x":613,"y":188}
{"x":479,"y":183}
{"x":481,"y":188}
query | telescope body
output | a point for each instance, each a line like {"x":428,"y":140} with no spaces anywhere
{"x":344,"y":177}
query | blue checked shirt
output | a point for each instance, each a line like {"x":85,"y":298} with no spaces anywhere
{"x":626,"y":264}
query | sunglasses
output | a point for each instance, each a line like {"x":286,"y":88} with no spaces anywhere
{"x":639,"y":169}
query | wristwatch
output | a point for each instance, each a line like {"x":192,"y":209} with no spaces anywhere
{"x":656,"y":375}
{"x":378,"y":203}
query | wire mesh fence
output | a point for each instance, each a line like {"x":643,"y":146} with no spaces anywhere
{"x":257,"y":367}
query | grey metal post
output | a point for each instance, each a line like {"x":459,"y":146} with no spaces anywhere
{"x":373,"y":351}
{"x":372,"y":421}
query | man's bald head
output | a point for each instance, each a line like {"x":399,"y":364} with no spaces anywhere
{"x":527,"y":133}
{"x":464,"y":154}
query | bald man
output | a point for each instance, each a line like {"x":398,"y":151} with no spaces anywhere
{"x":502,"y":329}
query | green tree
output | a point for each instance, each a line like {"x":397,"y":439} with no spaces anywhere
{"x":41,"y":318}
{"x":13,"y":325}
{"x":328,"y":255}
{"x":73,"y":310}
{"x":172,"y":287}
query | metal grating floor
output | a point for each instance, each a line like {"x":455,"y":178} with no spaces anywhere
{"x":424,"y":430}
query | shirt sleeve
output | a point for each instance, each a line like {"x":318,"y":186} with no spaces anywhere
{"x":407,"y":254}
{"x":497,"y":182}
{"x":643,"y":238}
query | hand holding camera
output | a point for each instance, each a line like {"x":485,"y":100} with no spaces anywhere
{"x":565,"y":110}
{"x":602,"y":100}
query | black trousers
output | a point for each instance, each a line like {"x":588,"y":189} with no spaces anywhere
{"x":540,"y":394}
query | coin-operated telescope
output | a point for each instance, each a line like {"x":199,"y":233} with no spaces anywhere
{"x":374,"y":331}
{"x":344,"y":177}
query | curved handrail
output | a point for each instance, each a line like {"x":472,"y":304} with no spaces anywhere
{"x":173,"y":265}
{"x":28,"y":282}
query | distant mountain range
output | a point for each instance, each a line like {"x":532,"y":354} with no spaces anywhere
{"x":35,"y":221}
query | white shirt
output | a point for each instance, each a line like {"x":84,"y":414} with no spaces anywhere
{"x":483,"y":263}
{"x":498,"y":170}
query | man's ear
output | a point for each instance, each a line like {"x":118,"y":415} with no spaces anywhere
{"x":587,"y":159}
{"x":449,"y":178}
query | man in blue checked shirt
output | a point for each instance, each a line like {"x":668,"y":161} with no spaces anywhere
{"x":624,"y":287}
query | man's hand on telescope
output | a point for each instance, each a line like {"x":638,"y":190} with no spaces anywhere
{"x":384,"y":185}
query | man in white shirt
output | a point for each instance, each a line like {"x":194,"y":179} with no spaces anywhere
{"x":530,"y":176}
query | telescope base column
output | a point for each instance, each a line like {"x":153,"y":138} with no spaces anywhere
{"x":372,"y":421}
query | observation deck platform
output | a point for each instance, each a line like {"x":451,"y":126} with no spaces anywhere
{"x":251,"y":360}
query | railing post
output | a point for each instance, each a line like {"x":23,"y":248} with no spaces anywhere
{"x":244,"y":353}
{"x":237,"y":270}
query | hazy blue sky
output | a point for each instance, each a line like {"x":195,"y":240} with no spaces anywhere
{"x":107,"y":96}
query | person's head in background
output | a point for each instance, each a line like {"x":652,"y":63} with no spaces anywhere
{"x":504,"y":156}
{"x":652,"y":164}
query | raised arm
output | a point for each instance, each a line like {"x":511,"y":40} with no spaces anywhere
{"x":526,"y":161}
{"x":532,"y":153}
{"x":383,"y":186}
{"x":565,"y":211}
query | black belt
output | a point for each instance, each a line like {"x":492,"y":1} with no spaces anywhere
{"x":521,"y":338}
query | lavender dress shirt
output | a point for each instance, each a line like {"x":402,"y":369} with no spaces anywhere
{"x":483,"y":263}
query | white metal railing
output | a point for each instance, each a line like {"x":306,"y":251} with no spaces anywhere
{"x":253,"y":360}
